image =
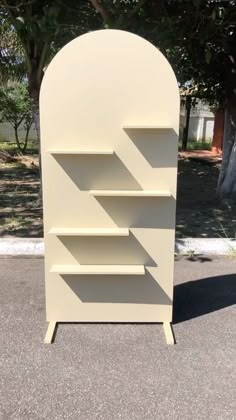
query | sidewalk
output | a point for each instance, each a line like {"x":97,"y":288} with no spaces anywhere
{"x":127,"y":372}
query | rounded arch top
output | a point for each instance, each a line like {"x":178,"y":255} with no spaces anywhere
{"x":103,"y":80}
{"x":107,"y":40}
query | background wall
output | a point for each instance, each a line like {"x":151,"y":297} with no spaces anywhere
{"x":201,"y":122}
{"x":7,"y":133}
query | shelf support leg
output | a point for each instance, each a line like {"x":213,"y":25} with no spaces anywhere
{"x":169,"y":334}
{"x":50,"y":332}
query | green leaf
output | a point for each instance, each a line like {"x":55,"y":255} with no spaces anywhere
{"x":213,"y":15}
{"x":208,"y":56}
{"x":20,"y":19}
{"x":196,"y":3}
{"x":221,"y":12}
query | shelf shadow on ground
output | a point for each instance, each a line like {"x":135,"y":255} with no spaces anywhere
{"x":107,"y":250}
{"x":200,"y":297}
{"x":141,"y":212}
{"x":97,"y":172}
{"x":117,"y":289}
{"x":156,"y":145}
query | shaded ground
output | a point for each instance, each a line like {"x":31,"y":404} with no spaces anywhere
{"x":115,"y":371}
{"x":19,"y":212}
{"x":199,"y":212}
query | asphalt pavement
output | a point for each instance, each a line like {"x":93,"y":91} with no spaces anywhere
{"x":111,"y":372}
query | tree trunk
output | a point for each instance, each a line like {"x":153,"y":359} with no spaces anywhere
{"x":26,"y":138}
{"x":35,"y":108}
{"x":218,"y":132}
{"x":226,"y":187}
{"x":17,"y":138}
{"x":186,"y":128}
{"x":34,"y":88}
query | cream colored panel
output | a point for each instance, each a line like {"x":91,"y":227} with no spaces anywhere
{"x":109,"y":110}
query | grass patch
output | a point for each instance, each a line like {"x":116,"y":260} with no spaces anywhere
{"x":13,"y":165}
{"x":199,"y":145}
{"x":11,"y":147}
{"x":227,"y":231}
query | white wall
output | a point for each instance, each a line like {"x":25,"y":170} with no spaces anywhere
{"x":201,"y":123}
{"x":7,"y":133}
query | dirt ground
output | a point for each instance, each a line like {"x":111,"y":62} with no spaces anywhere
{"x":199,"y":212}
{"x":19,"y":186}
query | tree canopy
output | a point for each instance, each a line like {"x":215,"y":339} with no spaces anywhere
{"x":16,"y":109}
{"x":199,"y":39}
{"x":197,"y":36}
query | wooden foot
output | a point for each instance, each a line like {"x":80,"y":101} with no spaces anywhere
{"x":170,"y":339}
{"x":50,"y":332}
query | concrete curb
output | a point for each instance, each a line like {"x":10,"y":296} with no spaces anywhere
{"x":22,"y":246}
{"x":210,"y":246}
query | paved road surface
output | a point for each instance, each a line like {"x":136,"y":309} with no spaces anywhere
{"x":123,"y":372}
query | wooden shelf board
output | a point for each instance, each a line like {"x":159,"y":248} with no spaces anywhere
{"x":130,"y":193}
{"x":89,"y":231}
{"x":81,"y":152}
{"x":146,"y":127}
{"x":99,"y":269}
